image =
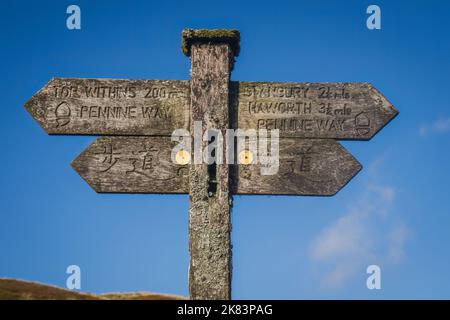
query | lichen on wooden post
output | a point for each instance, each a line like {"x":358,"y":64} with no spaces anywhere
{"x":212,"y":54}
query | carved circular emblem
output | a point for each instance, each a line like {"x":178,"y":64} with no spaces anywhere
{"x":362,"y":124}
{"x":62,"y":114}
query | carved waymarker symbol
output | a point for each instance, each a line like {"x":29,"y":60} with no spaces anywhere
{"x":139,"y":116}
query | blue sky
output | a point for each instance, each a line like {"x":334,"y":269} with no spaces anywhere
{"x":395,"y":213}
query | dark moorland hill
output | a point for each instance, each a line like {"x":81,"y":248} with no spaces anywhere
{"x":11,"y":289}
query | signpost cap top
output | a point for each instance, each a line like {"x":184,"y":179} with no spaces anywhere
{"x":230,"y":36}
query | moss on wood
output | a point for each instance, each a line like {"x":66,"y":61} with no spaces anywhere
{"x":190,"y":36}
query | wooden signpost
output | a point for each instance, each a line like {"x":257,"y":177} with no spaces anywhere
{"x":138,"y":117}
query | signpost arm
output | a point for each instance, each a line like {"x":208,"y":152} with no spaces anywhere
{"x":212,"y":54}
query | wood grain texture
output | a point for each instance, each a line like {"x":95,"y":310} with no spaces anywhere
{"x":355,"y":111}
{"x":318,"y":167}
{"x":111,"y":106}
{"x":131,"y":165}
{"x":209,"y":211}
{"x":307,"y":167}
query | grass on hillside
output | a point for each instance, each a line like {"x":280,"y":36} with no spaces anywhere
{"x":12,"y":289}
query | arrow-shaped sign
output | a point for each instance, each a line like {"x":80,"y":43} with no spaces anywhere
{"x":317,"y":167}
{"x":132,"y":165}
{"x":111,"y":106}
{"x":312,"y":110}
{"x":158,"y":107}
{"x":144,"y":165}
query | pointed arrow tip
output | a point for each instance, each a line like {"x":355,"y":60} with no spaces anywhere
{"x":387,"y":111}
{"x":77,"y":165}
{"x":349,"y":171}
{"x":36,"y":106}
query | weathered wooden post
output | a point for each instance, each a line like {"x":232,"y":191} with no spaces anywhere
{"x":212,"y":55}
{"x":139,"y":116}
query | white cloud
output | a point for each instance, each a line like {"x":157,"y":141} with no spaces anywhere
{"x":365,"y":234}
{"x":397,"y":239}
{"x":439,"y":126}
{"x":341,"y":245}
{"x":346,"y":237}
